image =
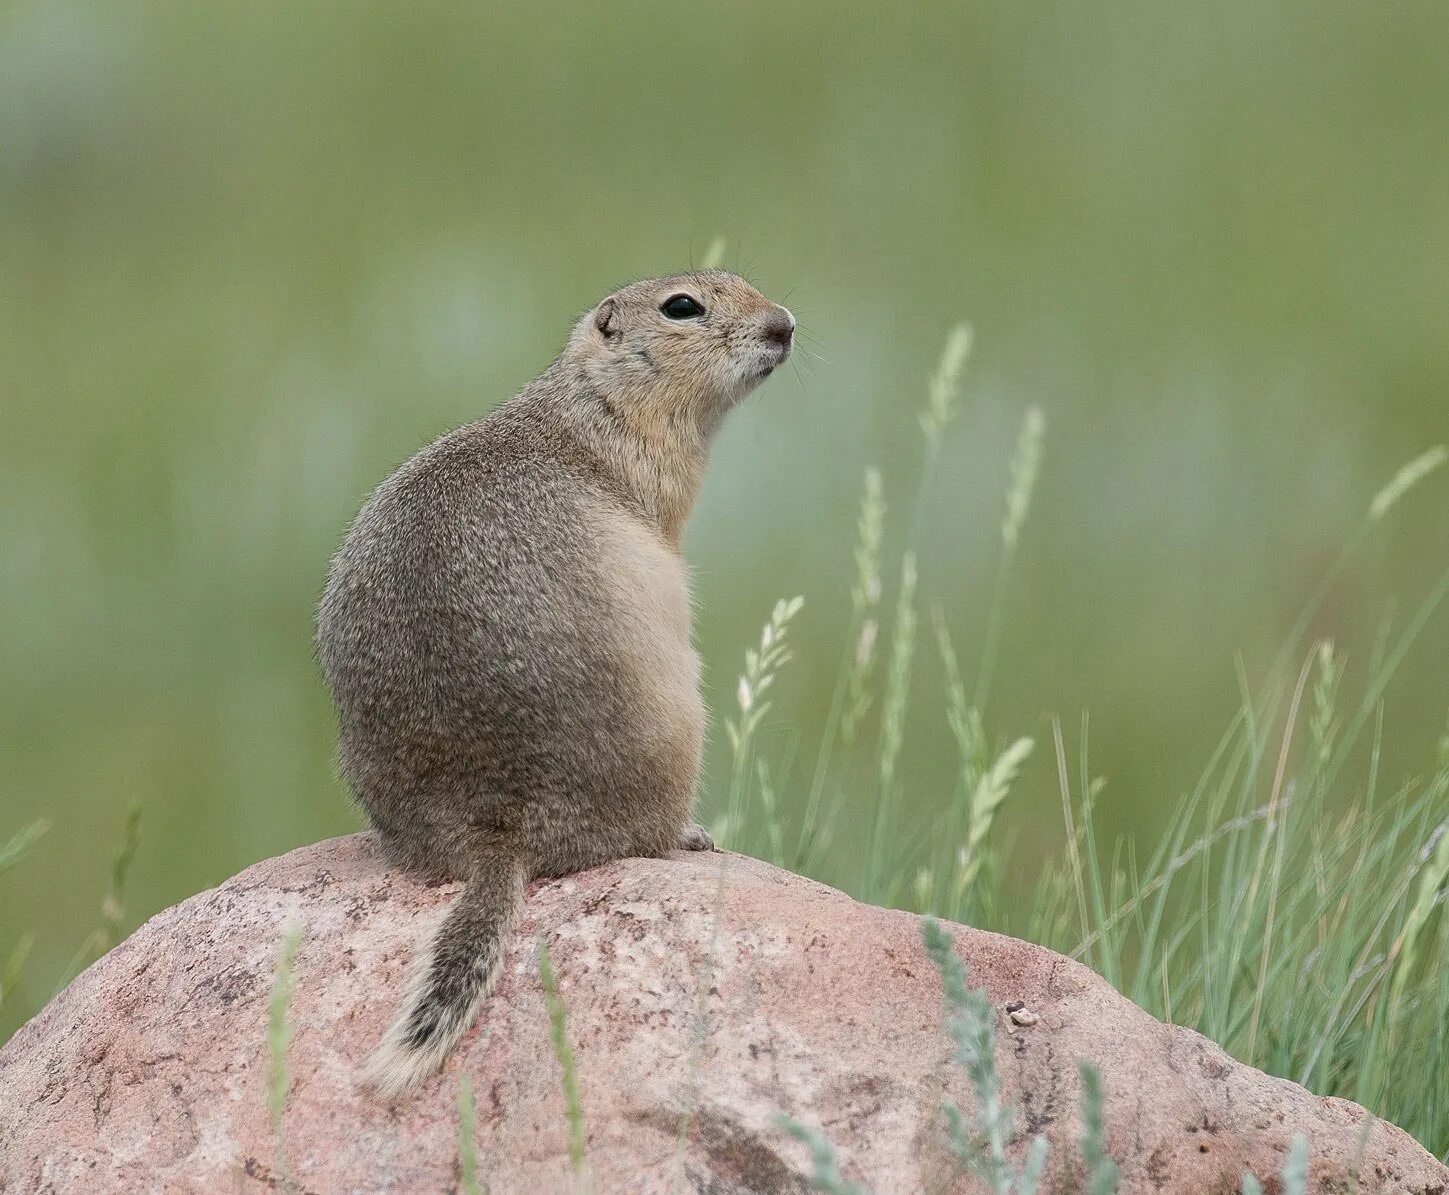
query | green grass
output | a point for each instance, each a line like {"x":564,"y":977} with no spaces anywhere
{"x":824,"y":1173}
{"x":113,"y":909}
{"x":11,"y":853}
{"x":1293,"y":908}
{"x":1101,"y":1168}
{"x":564,"y":1051}
{"x":279,"y":1044}
{"x":468,"y":1139}
{"x":978,"y":1138}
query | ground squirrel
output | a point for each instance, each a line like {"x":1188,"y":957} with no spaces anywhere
{"x":506,"y":630}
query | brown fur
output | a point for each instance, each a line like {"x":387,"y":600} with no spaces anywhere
{"x":506,"y":630}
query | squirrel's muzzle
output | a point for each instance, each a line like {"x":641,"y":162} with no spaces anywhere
{"x":779,"y":328}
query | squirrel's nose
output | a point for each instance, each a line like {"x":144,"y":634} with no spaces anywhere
{"x":780,"y":327}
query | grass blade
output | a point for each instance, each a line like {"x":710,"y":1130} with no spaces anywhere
{"x":563,"y":1051}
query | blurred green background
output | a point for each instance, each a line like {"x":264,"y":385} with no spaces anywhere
{"x":252,"y":256}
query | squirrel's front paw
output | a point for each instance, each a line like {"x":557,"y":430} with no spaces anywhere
{"x":695,"y":837}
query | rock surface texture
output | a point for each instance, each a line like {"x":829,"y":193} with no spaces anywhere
{"x":150,"y":1072}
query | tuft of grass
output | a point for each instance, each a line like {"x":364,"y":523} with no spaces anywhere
{"x":1301,"y":927}
{"x":113,"y":909}
{"x":1429,"y":895}
{"x":939,"y":412}
{"x":824,"y":1164}
{"x":852,"y":697}
{"x":11,"y":853}
{"x":21,"y":843}
{"x":1101,"y":1169}
{"x":762,"y":664}
{"x":945,"y":387}
{"x":892,"y":730}
{"x":1025,"y":466}
{"x":14,"y":964}
{"x":770,"y":807}
{"x":279,"y":1043}
{"x":468,"y":1139}
{"x":1295,"y":1168}
{"x":990,"y":792}
{"x":1032,"y":1168}
{"x":1364,"y":1133}
{"x":978,"y":1142}
{"x":1324,"y":725}
{"x":864,"y":601}
{"x":1406,"y":479}
{"x":563,"y":1051}
{"x":699,"y":1030}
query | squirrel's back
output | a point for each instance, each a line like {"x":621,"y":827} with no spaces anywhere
{"x":506,"y":629}
{"x":495,"y":641}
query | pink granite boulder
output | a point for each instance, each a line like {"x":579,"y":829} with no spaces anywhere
{"x":149,"y":1073}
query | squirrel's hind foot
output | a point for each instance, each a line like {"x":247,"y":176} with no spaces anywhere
{"x":695,"y":837}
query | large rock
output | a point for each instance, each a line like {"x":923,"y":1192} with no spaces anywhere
{"x":149,"y":1073}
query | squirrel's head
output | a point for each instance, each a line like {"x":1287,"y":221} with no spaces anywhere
{"x":692,"y":345}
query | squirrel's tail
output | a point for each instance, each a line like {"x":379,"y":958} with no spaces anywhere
{"x":450,"y":980}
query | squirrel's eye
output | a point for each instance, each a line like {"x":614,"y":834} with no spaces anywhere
{"x":681,"y":307}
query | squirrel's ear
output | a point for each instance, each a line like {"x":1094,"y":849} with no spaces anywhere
{"x":606,"y":319}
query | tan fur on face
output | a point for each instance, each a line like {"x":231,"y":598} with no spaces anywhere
{"x":679,"y":371}
{"x":673,"y":381}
